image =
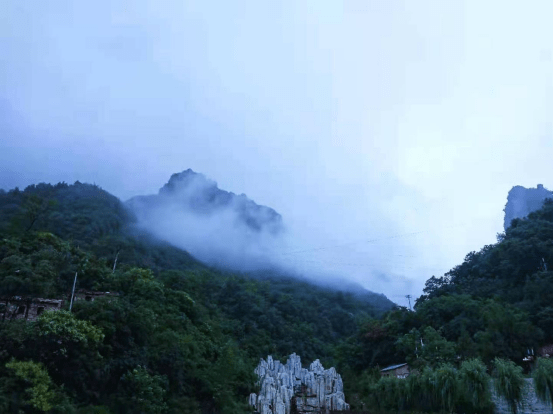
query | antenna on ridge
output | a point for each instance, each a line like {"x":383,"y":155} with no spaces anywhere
{"x":409,"y":298}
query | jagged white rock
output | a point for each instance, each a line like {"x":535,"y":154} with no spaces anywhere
{"x":311,"y":390}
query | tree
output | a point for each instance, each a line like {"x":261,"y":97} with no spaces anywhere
{"x":475,"y":384}
{"x":33,"y":208}
{"x":428,"y":348}
{"x":509,"y":382}
{"x":40,"y":391}
{"x":65,"y":329}
{"x":142,"y":393}
{"x":543,"y":380}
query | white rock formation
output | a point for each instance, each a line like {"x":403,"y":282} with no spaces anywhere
{"x":289,"y":388}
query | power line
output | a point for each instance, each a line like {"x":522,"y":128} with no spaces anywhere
{"x":402,"y":266}
{"x":363,"y":241}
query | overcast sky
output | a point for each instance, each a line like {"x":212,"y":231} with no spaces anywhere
{"x":386,"y":133}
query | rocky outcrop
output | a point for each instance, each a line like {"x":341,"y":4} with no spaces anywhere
{"x":289,"y":388}
{"x":522,"y":201}
{"x":199,"y":196}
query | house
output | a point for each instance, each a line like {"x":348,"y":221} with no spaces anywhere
{"x":398,"y":371}
{"x":90,"y":296}
{"x":28,"y":309}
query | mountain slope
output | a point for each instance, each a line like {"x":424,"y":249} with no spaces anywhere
{"x":190,"y":333}
{"x":98,"y":222}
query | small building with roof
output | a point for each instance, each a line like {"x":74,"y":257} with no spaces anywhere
{"x":398,"y":371}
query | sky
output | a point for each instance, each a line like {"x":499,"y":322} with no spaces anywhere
{"x":387,"y":134}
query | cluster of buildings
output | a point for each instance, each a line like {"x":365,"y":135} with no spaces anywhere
{"x":29,"y":309}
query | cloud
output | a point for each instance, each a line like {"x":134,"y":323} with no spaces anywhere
{"x":217,"y":227}
{"x":232,"y":232}
{"x":356,"y":121}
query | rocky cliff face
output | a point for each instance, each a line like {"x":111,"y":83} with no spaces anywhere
{"x":522,"y":201}
{"x":289,"y":388}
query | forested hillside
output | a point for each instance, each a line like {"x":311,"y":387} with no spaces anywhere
{"x":179,"y":337}
{"x":498,"y":303}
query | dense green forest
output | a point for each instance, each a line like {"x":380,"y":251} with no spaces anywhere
{"x":182,"y":337}
{"x":490,"y":311}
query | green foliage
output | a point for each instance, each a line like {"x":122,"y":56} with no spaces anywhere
{"x":63,"y":326}
{"x":509,"y":382}
{"x":40,"y":391}
{"x":475,"y":384}
{"x":543,"y":379}
{"x":391,"y":393}
{"x":428,"y":348}
{"x":442,"y":389}
{"x":143,"y":393}
{"x":200,"y":331}
{"x":446,"y":386}
{"x":41,"y":264}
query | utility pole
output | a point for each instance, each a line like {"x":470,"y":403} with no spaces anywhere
{"x":115,"y":262}
{"x":73,"y":292}
{"x":409,"y":298}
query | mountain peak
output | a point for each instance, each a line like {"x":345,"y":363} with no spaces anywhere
{"x":198,"y":195}
{"x":183,"y":180}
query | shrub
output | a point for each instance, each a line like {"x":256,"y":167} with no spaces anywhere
{"x":446,"y":386}
{"x":509,"y":382}
{"x":475,"y":385}
{"x":543,"y":379}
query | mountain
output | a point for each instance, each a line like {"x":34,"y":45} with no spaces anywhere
{"x":185,"y":335}
{"x":522,"y":201}
{"x":217,"y":227}
{"x":199,"y":196}
{"x":98,"y":221}
{"x":178,"y":335}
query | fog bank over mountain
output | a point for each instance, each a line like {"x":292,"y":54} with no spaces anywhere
{"x":230,"y":231}
{"x":216,"y":226}
{"x":371,"y":127}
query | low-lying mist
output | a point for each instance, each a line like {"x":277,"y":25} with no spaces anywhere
{"x":225,"y":230}
{"x":217,"y":227}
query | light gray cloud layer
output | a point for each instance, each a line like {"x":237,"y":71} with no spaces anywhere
{"x":356,"y":120}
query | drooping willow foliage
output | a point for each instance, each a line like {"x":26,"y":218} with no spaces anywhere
{"x":475,"y":383}
{"x":447,"y":386}
{"x":509,"y":382}
{"x":543,"y":379}
{"x":442,"y":389}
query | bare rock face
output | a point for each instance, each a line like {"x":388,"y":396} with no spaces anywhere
{"x":289,"y":388}
{"x":522,"y":201}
